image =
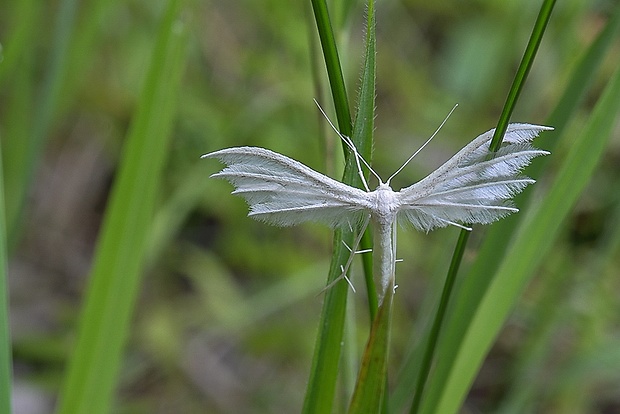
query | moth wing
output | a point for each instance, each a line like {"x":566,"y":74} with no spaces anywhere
{"x":285,"y":192}
{"x":475,"y":185}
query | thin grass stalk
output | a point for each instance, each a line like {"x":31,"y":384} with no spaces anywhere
{"x":326,"y":360}
{"x":48,"y":99}
{"x":513,"y":95}
{"x":530,"y":246}
{"x":476,"y":282}
{"x":119,"y":259}
{"x":5,"y":334}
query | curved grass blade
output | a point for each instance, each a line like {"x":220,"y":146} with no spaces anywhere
{"x":552,"y":311}
{"x":326,"y":360}
{"x":369,"y":394}
{"x":511,"y":101}
{"x":30,"y":148}
{"x":469,"y":294}
{"x":363,"y":136}
{"x":528,"y":249}
{"x":119,"y":261}
{"x":5,"y":335}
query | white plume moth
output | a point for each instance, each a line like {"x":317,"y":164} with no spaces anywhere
{"x":474,"y":186}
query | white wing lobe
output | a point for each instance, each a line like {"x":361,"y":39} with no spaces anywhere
{"x":284,"y":192}
{"x":475,"y":185}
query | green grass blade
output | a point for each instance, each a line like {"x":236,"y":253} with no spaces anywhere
{"x":583,"y":76}
{"x":326,"y":360}
{"x":321,"y":387}
{"x":529,"y":248}
{"x":36,"y":103}
{"x":517,"y":86}
{"x":369,"y":395}
{"x":552,"y":311}
{"x":119,"y":260}
{"x":332,"y":64}
{"x":433,"y":336}
{"x":469,"y":294}
{"x":322,"y":383}
{"x":370,"y":389}
{"x":363,"y":129}
{"x":524,"y":69}
{"x":5,"y":335}
{"x":47,"y":102}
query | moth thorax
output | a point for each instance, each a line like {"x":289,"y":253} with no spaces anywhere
{"x":385,"y":204}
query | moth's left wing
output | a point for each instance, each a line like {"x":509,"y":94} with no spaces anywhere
{"x":284,"y":192}
{"x":475,"y":185}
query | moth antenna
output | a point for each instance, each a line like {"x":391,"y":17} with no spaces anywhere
{"x":353,"y":148}
{"x":357,"y":155}
{"x":423,"y":145}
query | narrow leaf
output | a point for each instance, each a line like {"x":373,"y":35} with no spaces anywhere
{"x":371,"y":382}
{"x":5,"y":335}
{"x":119,"y":260}
{"x":513,"y":95}
{"x":530,"y":246}
{"x":469,"y":294}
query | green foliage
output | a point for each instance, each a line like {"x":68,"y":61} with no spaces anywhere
{"x":186,"y":305}
{"x":119,"y":260}
{"x":5,"y":337}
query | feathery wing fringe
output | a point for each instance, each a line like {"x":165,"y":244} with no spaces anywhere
{"x":475,"y":185}
{"x":285,"y":192}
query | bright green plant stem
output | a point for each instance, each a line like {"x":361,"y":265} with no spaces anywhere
{"x":473,"y":287}
{"x":531,"y":244}
{"x":28,"y":150}
{"x":511,"y":101}
{"x":5,"y":336}
{"x":119,"y":260}
{"x":326,"y":360}
{"x":439,"y":317}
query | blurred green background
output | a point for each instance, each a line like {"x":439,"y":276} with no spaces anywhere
{"x":228,"y":307}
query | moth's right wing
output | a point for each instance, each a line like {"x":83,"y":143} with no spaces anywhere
{"x":285,"y":192}
{"x":475,"y":185}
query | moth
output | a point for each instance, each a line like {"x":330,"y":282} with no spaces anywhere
{"x":474,"y":186}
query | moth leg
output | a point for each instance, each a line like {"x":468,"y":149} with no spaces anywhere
{"x":357,"y":251}
{"x":345,"y":268}
{"x":347,"y":279}
{"x":452,"y":223}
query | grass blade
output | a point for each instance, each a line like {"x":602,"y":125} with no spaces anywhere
{"x":326,"y":359}
{"x":526,"y":63}
{"x":5,"y":335}
{"x":531,"y":244}
{"x":368,"y":397}
{"x":23,"y":168}
{"x":363,"y":135}
{"x":469,"y":294}
{"x":119,"y":258}
{"x":332,"y":64}
{"x":322,"y":383}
